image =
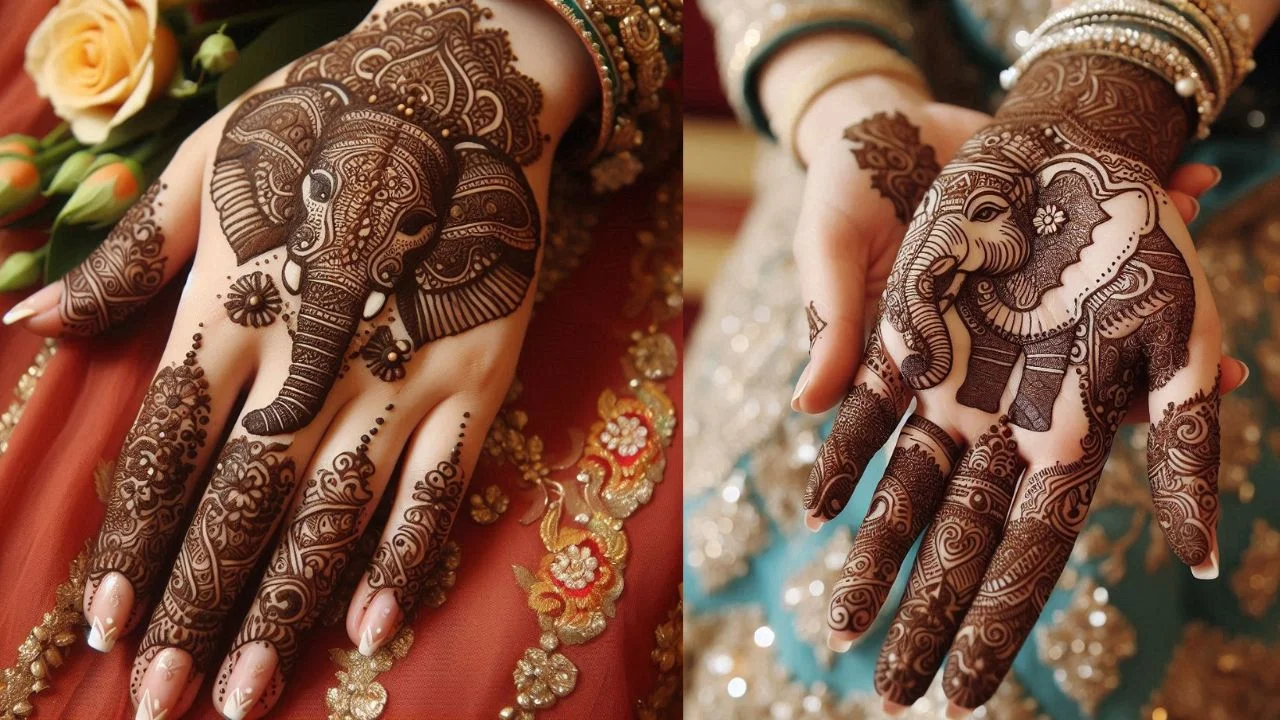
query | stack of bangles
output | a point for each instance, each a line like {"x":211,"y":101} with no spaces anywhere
{"x":1200,"y":46}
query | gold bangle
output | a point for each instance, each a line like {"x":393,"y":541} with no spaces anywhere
{"x":872,"y":60}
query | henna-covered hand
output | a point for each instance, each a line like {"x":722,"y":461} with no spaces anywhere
{"x":1045,"y":281}
{"x":372,"y":226}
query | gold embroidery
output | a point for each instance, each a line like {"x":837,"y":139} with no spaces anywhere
{"x":808,"y":593}
{"x":1213,"y":676}
{"x":1085,"y":645}
{"x":1257,"y":579}
{"x":541,"y":678}
{"x":46,"y":647}
{"x":23,"y":392}
{"x":359,"y":696}
{"x":103,"y":475}
{"x":489,"y":506}
{"x":668,"y":658}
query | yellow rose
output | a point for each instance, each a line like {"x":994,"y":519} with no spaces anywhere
{"x":100,"y":61}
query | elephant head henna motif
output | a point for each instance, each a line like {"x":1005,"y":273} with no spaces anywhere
{"x":389,"y":164}
{"x":1028,"y":243}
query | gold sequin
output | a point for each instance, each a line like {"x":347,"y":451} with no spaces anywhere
{"x":22,"y":393}
{"x":358,"y":695}
{"x":668,"y":659}
{"x":488,"y":506}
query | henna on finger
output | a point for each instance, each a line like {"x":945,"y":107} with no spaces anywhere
{"x":152,"y":479}
{"x":816,"y":323}
{"x":904,"y":502}
{"x":866,"y":419}
{"x":949,"y":566}
{"x":403,"y":562}
{"x":1183,"y":455}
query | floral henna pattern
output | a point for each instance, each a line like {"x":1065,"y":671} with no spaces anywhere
{"x":151,"y":478}
{"x":253,"y":300}
{"x":120,"y":275}
{"x":949,"y":565}
{"x":902,"y":505}
{"x":866,"y":419}
{"x":1183,"y":451}
{"x":251,"y":482}
{"x":385,"y":356}
{"x":902,"y":167}
{"x":388,"y":165}
{"x":404,"y":561}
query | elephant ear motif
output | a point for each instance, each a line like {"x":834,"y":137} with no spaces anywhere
{"x":258,"y":168}
{"x":480,"y":266}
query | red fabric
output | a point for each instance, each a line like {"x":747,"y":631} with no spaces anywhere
{"x":462,"y":660}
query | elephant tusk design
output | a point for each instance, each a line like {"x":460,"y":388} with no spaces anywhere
{"x":373,"y":305}
{"x":292,"y":276}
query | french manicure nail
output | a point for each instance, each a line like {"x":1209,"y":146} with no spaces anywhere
{"x":249,"y":679}
{"x":955,"y":712}
{"x":841,"y":642}
{"x":1244,"y":371}
{"x":801,"y":384}
{"x":1195,"y":209}
{"x":891,"y":708}
{"x":43,"y":299}
{"x":17,"y":313}
{"x":163,"y":684}
{"x":1207,"y":570}
{"x":1217,"y":176}
{"x":814,"y":523}
{"x":109,"y":611}
{"x":380,"y":622}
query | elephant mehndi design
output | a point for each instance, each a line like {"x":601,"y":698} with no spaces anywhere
{"x":1040,"y":251}
{"x":388,"y":164}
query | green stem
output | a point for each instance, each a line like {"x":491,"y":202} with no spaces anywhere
{"x":199,"y":32}
{"x":51,"y":156}
{"x":148,"y":148}
{"x":55,"y":135}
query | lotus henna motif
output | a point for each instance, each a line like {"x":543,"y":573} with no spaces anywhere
{"x":388,"y":165}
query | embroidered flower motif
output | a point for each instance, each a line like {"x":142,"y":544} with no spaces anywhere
{"x":625,"y":435}
{"x":575,"y":567}
{"x":253,"y":300}
{"x":385,"y":356}
{"x":1048,"y":220}
{"x":542,"y":678}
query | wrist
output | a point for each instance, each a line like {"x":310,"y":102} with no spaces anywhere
{"x":847,"y":102}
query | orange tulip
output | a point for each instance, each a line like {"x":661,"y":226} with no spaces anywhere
{"x":105,"y":194}
{"x":19,"y":183}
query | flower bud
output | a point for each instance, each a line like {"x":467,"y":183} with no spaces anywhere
{"x":20,"y":270}
{"x":217,"y":53}
{"x":71,"y":173}
{"x":110,"y":187}
{"x":19,"y":183}
{"x":18,"y":144}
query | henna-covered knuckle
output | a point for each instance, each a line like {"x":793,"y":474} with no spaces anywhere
{"x":901,"y":166}
{"x":403,"y":562}
{"x":949,"y":566}
{"x":389,"y":169}
{"x":866,"y":419}
{"x":1183,"y":455}
{"x":902,"y":505}
{"x":121,"y":274}
{"x":250,"y":484}
{"x":152,"y":478}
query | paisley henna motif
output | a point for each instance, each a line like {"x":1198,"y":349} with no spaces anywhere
{"x":866,"y":419}
{"x":902,"y":167}
{"x":1183,"y":451}
{"x":120,"y":275}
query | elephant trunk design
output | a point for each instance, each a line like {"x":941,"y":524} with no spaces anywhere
{"x":926,"y":331}
{"x":326,"y":322}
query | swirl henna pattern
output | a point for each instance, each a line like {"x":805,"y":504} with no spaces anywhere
{"x":251,"y":482}
{"x":152,"y":478}
{"x":902,"y":505}
{"x":867,"y":417}
{"x":404,"y":561}
{"x":389,"y":164}
{"x":902,"y":167}
{"x":120,"y":275}
{"x":1183,"y":453}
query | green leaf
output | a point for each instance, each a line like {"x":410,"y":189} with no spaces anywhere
{"x":69,"y":245}
{"x":286,"y":40}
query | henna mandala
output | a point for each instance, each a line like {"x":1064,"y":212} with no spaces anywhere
{"x":902,"y":505}
{"x":866,"y":419}
{"x":901,"y":166}
{"x":1182,"y":459}
{"x":949,"y":565}
{"x":816,"y":323}
{"x":251,"y":482}
{"x":385,"y":356}
{"x":253,"y":300}
{"x":389,"y":164}
{"x":120,"y":275}
{"x":151,"y":478}
{"x":404,"y":561}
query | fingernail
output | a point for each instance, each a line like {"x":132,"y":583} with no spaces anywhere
{"x":955,"y":712}
{"x":163,"y":684}
{"x":1217,"y":176}
{"x":248,"y":681}
{"x":814,"y":523}
{"x":380,"y":622}
{"x":109,"y":611}
{"x":801,"y":384}
{"x":45,"y":298}
{"x":1195,"y":209}
{"x":891,"y":708}
{"x":1208,"y":570}
{"x":841,"y":641}
{"x":1244,"y":371}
